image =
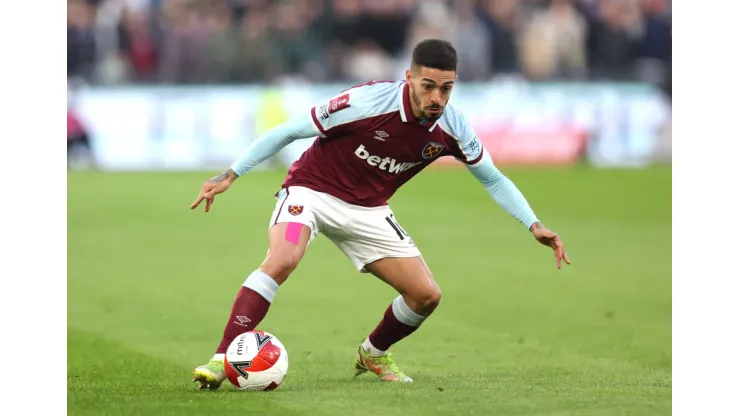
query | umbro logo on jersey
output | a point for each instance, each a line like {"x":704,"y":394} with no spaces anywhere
{"x":385,"y":163}
{"x":380,"y":135}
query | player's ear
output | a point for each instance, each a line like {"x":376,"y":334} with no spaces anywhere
{"x":408,"y":76}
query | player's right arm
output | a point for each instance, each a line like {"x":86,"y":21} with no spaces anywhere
{"x":260,"y":150}
{"x":273,"y":141}
{"x":326,"y":120}
{"x":330,"y":119}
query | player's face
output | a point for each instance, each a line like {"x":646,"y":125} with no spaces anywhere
{"x":430,"y":91}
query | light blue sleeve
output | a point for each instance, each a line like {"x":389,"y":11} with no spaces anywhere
{"x":273,"y":141}
{"x":503,"y":190}
{"x":354,"y":104}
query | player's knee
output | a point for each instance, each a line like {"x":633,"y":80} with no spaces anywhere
{"x":433,"y":298}
{"x":280,"y":265}
{"x":428,"y":300}
{"x":287,"y":262}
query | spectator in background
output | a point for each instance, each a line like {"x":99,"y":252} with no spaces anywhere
{"x":500,"y":18}
{"x":239,"y":7}
{"x":362,"y":34}
{"x":656,"y":41}
{"x":473,"y":43}
{"x":185,"y":43}
{"x":80,"y":39}
{"x":258,"y":48}
{"x":554,"y":43}
{"x":227,"y":49}
{"x":341,"y":18}
{"x":297,"y":48}
{"x":431,"y":19}
{"x":655,"y":46}
{"x":612,"y":45}
{"x":384,"y":22}
{"x":137,"y":45}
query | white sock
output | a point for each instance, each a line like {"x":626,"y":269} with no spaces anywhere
{"x":219,"y":357}
{"x":371,"y":350}
{"x":404,"y":314}
{"x":263,"y":284}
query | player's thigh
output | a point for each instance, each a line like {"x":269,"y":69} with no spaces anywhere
{"x":378,"y":244}
{"x":374,"y":234}
{"x":411,"y":277}
{"x":292,"y":228}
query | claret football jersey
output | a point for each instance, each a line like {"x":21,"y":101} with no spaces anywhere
{"x":370,"y":144}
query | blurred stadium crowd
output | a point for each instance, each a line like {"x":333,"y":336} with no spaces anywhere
{"x":271,"y":41}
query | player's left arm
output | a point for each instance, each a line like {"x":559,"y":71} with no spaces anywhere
{"x":503,"y":190}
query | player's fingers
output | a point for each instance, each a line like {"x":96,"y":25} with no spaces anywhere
{"x":197,"y":202}
{"x":557,"y":259}
{"x":560,"y":249}
{"x":560,"y":254}
{"x":209,"y":201}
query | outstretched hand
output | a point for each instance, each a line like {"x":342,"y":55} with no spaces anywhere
{"x":213,"y":187}
{"x":550,"y":239}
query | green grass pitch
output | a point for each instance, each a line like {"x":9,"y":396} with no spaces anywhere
{"x":150,"y":284}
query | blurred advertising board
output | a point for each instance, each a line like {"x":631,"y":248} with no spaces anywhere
{"x":191,"y":128}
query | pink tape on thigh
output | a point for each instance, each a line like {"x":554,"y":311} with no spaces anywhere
{"x":293,"y":232}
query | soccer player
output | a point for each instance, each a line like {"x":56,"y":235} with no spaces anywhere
{"x":369,"y":140}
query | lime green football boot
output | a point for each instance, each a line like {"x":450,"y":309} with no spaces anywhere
{"x":211,"y":375}
{"x":383,"y":366}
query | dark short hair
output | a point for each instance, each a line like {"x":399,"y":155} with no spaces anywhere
{"x":435,"y":53}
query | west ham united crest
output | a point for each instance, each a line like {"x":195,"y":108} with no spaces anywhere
{"x":432,"y":150}
{"x":295,"y":209}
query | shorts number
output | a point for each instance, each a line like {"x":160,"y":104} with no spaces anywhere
{"x":396,"y":227}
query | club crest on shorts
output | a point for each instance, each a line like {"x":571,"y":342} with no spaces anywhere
{"x":431,"y":150}
{"x":295,"y":209}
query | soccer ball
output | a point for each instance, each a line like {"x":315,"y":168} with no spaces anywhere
{"x":256,"y":360}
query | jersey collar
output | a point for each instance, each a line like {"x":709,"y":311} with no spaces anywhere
{"x":407,"y":116}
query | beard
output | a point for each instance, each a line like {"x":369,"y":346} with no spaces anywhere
{"x":425,"y":113}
